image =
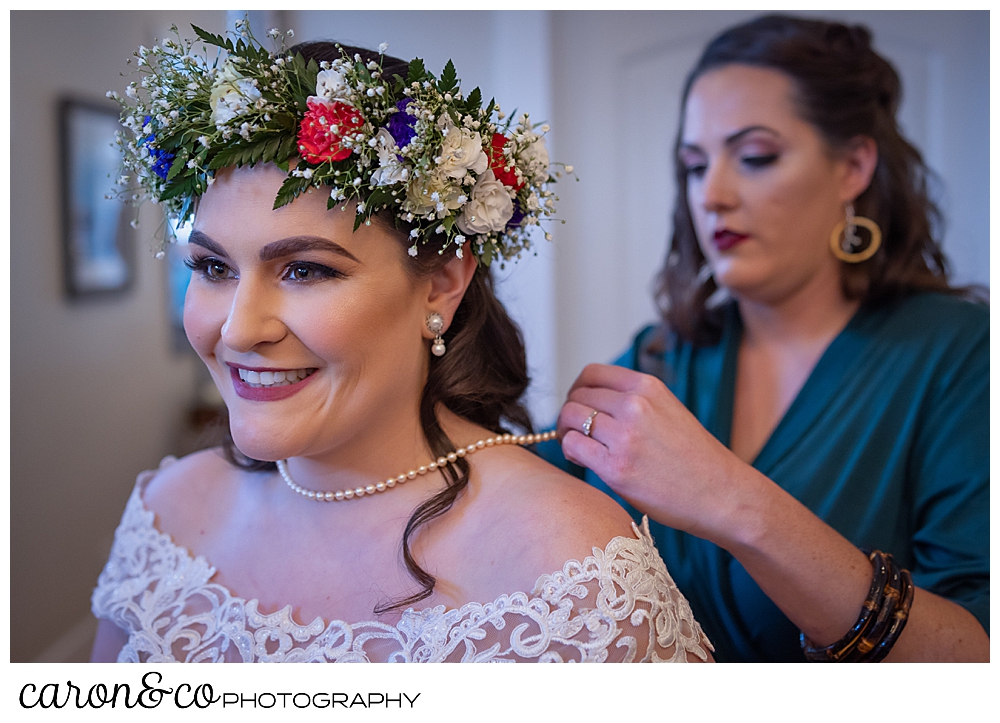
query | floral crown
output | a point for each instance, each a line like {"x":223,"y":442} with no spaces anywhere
{"x":443,"y":164}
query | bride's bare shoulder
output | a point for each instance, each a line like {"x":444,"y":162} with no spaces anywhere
{"x":529,"y":518}
{"x":538,"y":494}
{"x":182,"y":487}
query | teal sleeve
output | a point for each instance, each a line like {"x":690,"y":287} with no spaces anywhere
{"x":950,"y":464}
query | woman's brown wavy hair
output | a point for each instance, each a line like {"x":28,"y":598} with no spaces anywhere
{"x":481,"y":378}
{"x":844,"y":89}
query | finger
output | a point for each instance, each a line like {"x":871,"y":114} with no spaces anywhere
{"x":603,"y":427}
{"x":611,"y":377}
{"x":606,"y":400}
{"x":571,"y":418}
{"x":585,"y":451}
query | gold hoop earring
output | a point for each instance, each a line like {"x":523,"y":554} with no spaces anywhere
{"x":848,"y":228}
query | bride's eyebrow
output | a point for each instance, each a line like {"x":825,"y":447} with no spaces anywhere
{"x":295,"y":244}
{"x":277,"y":249}
{"x":199,"y":239}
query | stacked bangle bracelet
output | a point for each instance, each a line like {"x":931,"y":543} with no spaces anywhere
{"x":883,"y":616}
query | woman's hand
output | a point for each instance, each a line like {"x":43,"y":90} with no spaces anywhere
{"x":652,"y":451}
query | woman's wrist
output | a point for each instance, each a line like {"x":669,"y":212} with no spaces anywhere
{"x":745,"y":514}
{"x":814,"y":575}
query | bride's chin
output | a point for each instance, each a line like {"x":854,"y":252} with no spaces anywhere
{"x":255,"y":447}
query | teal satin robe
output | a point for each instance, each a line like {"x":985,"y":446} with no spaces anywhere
{"x":887,"y":442}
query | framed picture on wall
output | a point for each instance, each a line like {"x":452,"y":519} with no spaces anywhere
{"x":97,"y":239}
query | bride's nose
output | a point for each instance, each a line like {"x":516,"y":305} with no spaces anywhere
{"x":252,"y":318}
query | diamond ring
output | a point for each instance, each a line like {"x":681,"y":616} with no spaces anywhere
{"x":588,"y":423}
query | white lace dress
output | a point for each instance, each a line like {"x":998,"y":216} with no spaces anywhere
{"x":617,"y":605}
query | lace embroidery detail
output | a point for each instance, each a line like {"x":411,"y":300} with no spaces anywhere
{"x":618,"y":605}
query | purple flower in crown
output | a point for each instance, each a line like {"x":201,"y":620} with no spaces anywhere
{"x":401,"y":124}
{"x":161,"y":159}
{"x":518,"y":216}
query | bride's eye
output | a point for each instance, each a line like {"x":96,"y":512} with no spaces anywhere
{"x":210,"y":268}
{"x":310,"y":271}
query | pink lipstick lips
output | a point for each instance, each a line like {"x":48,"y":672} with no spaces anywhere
{"x":257,"y":393}
{"x":724,"y":239}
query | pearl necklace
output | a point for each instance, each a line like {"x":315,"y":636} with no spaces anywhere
{"x":340,"y":495}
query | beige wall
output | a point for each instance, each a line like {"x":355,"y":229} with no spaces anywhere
{"x":96,"y":392}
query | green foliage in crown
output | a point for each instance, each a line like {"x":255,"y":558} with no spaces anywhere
{"x":440,"y":162}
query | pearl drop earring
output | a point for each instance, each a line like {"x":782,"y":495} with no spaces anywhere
{"x":435,"y":323}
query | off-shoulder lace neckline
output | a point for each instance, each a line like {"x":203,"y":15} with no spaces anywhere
{"x":148,"y":517}
{"x":618,"y":604}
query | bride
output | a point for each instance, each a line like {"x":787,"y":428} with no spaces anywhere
{"x":370,"y":504}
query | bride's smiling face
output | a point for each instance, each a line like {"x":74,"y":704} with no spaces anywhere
{"x":296,"y":293}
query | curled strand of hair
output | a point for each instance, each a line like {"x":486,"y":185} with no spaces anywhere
{"x":481,"y":335}
{"x":456,"y":476}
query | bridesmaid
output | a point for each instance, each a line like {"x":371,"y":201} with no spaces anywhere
{"x":817,"y":388}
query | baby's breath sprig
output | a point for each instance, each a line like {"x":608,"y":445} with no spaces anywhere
{"x":450,"y":170}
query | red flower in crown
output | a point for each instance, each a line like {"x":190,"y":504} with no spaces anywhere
{"x":322,"y":129}
{"x":498,"y":161}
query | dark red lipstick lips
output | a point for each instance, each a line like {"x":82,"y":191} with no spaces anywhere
{"x":726,"y":239}
{"x":265,"y":394}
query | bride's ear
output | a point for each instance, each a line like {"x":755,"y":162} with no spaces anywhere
{"x":448,"y":285}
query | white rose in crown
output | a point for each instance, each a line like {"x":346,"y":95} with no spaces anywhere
{"x":331,"y":85}
{"x":461,"y":152}
{"x":489,"y":208}
{"x":389,"y":170}
{"x":232,"y":95}
{"x":535,"y":160}
{"x":433,"y":193}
